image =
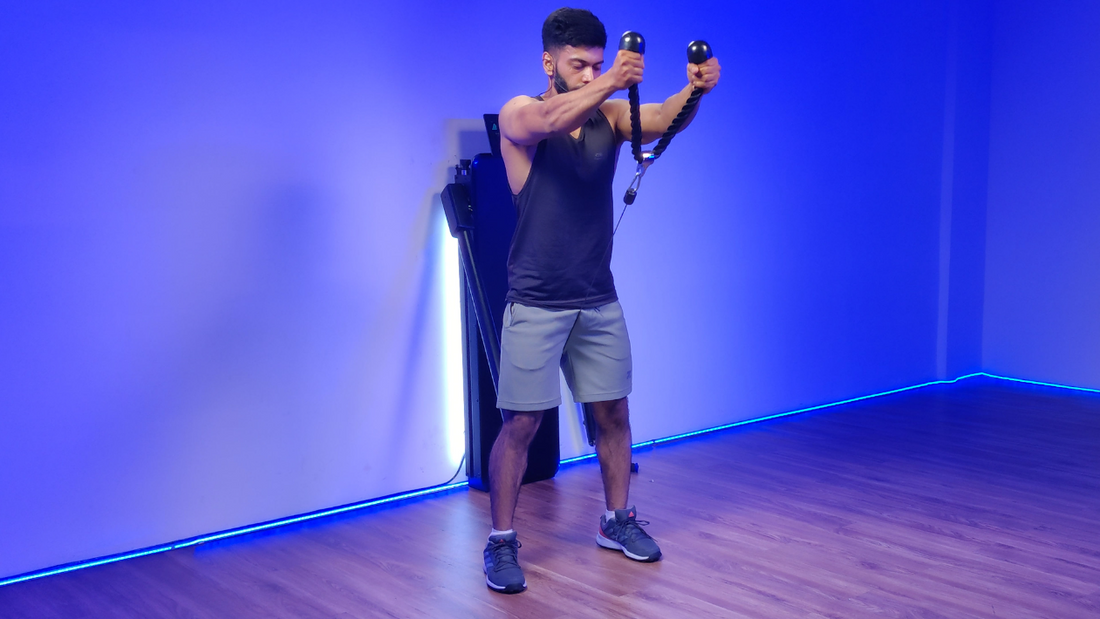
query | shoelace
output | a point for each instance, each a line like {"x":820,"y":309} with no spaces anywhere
{"x":632,"y":529}
{"x":504,"y":553}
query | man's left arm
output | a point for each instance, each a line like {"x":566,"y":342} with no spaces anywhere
{"x":656,"y":117}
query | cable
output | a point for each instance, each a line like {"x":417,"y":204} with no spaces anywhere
{"x":459,"y":470}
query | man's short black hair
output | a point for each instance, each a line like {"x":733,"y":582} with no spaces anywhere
{"x":575,"y":27}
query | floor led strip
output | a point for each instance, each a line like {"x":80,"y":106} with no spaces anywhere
{"x":195,"y":541}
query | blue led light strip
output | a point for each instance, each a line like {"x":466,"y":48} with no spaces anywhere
{"x":677,"y":437}
{"x":194,"y":541}
{"x":443,"y":488}
{"x":1040,"y":383}
{"x":727,"y":426}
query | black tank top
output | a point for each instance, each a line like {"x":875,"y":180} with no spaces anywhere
{"x":560,"y":256}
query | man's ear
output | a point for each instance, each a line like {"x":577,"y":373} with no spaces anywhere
{"x":548,"y":64}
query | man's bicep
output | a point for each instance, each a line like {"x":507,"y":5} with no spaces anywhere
{"x":653,"y":126}
{"x":649,"y":115}
{"x":617,"y":112}
{"x":519,"y":121}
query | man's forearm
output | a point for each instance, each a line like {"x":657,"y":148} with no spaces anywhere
{"x":566,"y":112}
{"x":672,"y":106}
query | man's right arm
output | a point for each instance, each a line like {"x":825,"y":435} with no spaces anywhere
{"x":525,"y":121}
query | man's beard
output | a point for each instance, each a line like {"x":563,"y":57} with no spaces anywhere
{"x":559,"y":83}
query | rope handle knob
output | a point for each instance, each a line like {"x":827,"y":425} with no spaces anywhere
{"x":699,"y":52}
{"x":632,"y":42}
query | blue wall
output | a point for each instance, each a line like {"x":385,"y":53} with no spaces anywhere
{"x":783,"y":253}
{"x":964,"y":189}
{"x":221,"y":294}
{"x":1042,"y":312}
{"x":218,"y":253}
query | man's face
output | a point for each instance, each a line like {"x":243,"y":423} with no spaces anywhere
{"x":573,"y":67}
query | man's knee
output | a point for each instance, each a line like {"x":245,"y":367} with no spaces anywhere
{"x":612,"y":414}
{"x":521,"y":426}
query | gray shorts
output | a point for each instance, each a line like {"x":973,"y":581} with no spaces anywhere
{"x":590,"y":345}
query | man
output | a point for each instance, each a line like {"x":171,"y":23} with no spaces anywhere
{"x":560,"y":150}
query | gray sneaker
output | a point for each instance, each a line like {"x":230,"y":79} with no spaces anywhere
{"x":502,"y":571}
{"x":625,"y":533}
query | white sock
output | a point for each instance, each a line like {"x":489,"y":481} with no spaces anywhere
{"x":609,"y":514}
{"x":495,"y":532}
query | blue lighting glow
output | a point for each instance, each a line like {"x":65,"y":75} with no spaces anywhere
{"x":443,"y":488}
{"x":195,"y":541}
{"x":677,"y":437}
{"x":1040,"y":383}
{"x":685,"y":435}
{"x":580,"y":458}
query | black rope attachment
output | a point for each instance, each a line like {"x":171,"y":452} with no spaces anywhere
{"x":634,"y":42}
{"x":698,"y":52}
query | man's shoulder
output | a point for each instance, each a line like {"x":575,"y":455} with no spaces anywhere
{"x":613,"y":108}
{"x":510,"y":113}
{"x":614,"y":105}
{"x":518,"y":101}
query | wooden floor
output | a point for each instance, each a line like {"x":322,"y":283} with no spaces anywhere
{"x":980,"y":499}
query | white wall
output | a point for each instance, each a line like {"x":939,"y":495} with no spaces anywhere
{"x":220,"y":292}
{"x":1042,"y":287}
